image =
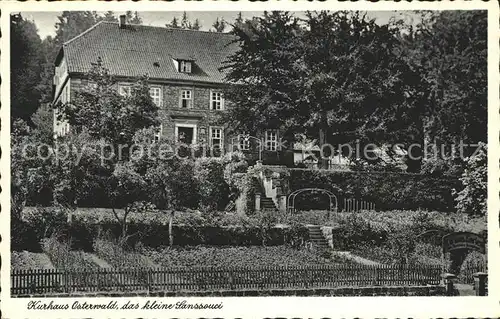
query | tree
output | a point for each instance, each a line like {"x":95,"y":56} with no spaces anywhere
{"x":472,"y":199}
{"x":451,"y":50}
{"x":219,"y":25}
{"x":174,"y":24}
{"x":239,"y":20}
{"x":25,"y":64}
{"x":196,"y":25}
{"x":107,"y":115}
{"x":357,"y":86}
{"x":335,"y":77}
{"x":185,"y":23}
{"x":43,"y":120}
{"x":264,"y":73}
{"x":133,"y":17}
{"x":72,"y":23}
{"x":109,"y":16}
{"x":101,"y":172}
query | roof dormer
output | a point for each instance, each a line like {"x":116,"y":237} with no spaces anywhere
{"x":184,"y":64}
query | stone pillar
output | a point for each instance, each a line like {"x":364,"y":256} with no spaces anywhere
{"x":480,"y":283}
{"x":257,"y":202}
{"x":449,"y":281}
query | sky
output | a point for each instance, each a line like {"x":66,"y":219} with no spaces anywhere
{"x":45,"y":21}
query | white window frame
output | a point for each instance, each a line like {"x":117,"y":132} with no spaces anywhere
{"x":123,"y":93}
{"x":193,"y":126}
{"x":216,"y":97}
{"x":182,"y":98}
{"x":271,"y":140}
{"x":220,"y":138}
{"x":158,"y":134}
{"x":159,"y":101}
{"x":244,"y":143}
{"x":185,"y":66}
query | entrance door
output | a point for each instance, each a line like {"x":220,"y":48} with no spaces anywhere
{"x":185,"y":133}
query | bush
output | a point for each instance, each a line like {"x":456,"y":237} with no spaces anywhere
{"x":23,"y":236}
{"x":213,"y":189}
{"x":472,"y":199}
{"x":473,"y":262}
{"x":62,"y":256}
{"x":46,"y":220}
{"x":355,"y":231}
{"x":386,"y":190}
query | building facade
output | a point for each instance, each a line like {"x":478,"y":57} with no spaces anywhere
{"x":186,"y":82}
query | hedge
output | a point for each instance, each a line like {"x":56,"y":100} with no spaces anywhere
{"x":387,"y":190}
{"x":82,"y":235}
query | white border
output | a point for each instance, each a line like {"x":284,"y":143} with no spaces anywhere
{"x":346,"y":307}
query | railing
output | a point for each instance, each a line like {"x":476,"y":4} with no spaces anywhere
{"x":43,"y":281}
{"x":356,"y":205}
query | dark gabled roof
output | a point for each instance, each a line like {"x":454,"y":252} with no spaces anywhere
{"x":137,"y":50}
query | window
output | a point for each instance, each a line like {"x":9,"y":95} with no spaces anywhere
{"x":155,"y":93}
{"x":186,"y":99}
{"x":125,"y":90}
{"x":271,"y":140}
{"x":185,"y":67}
{"x":159,"y":131}
{"x":216,"y":137}
{"x":216,"y":100}
{"x":244,"y":142}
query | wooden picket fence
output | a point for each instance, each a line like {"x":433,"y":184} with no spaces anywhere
{"x":43,"y":281}
{"x":356,"y":205}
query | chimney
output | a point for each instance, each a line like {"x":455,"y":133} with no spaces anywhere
{"x":122,"y":21}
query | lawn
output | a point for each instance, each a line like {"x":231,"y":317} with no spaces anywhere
{"x":28,"y":260}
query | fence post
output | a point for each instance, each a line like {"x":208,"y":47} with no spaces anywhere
{"x":449,"y":280}
{"x":480,"y":283}
{"x":150,"y":279}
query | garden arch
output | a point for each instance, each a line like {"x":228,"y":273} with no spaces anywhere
{"x":291,"y":199}
{"x":459,"y":244}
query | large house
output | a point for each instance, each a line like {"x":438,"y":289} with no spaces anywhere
{"x":184,"y":73}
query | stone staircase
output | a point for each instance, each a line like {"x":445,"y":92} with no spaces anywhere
{"x":267,"y":203}
{"x":317,"y":239}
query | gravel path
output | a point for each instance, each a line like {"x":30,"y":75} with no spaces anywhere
{"x":356,"y":259}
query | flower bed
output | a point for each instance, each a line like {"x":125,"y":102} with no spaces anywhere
{"x":233,"y":256}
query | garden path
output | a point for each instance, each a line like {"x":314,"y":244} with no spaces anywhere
{"x":98,"y":261}
{"x":355,"y":258}
{"x":465,"y":290}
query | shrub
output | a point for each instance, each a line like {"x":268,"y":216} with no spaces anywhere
{"x":473,"y":262}
{"x":387,"y":190}
{"x":23,"y":236}
{"x":62,"y":256}
{"x":213,"y":189}
{"x":46,"y":220}
{"x":354,"y":231}
{"x":472,"y":198}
